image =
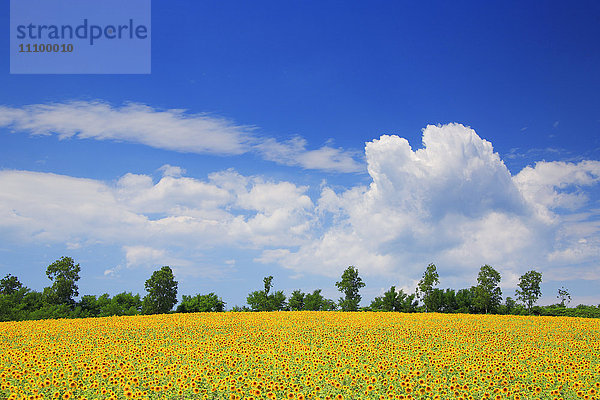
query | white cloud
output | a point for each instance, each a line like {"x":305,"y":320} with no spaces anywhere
{"x":172,"y":129}
{"x":135,"y":123}
{"x":169,"y":194}
{"x":558,"y":184}
{"x":144,"y":255}
{"x":112,"y":272}
{"x":269,"y":197}
{"x":294,"y":152}
{"x":451,"y":202}
{"x":58,"y":208}
{"x":154,"y":221}
{"x":173,"y":171}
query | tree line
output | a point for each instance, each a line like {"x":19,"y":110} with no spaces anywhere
{"x":18,"y":302}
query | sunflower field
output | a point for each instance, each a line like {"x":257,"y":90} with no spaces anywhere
{"x":301,"y":355}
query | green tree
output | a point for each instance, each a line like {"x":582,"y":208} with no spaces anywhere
{"x":393,"y":300}
{"x":564,"y":296}
{"x":89,"y":306}
{"x":408,"y":302}
{"x":449,"y":303}
{"x":239,"y":309}
{"x":509,"y":304}
{"x":316,"y":302}
{"x":64,"y":274}
{"x":201,"y":303}
{"x":268,"y":282}
{"x":435,"y":300}
{"x":264,"y":300}
{"x":121,"y":304}
{"x":257,"y":301}
{"x":390,"y":301}
{"x":13,"y":306}
{"x":464,"y":300}
{"x":488,"y":294}
{"x":162,"y":292}
{"x":350,"y":285}
{"x":296,"y":301}
{"x":426,"y":284}
{"x":9,"y":284}
{"x":529,"y":288}
{"x":277,"y":301}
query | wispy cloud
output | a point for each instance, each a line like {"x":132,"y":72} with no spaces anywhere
{"x":294,"y":152}
{"x":171,"y":129}
{"x":135,"y":123}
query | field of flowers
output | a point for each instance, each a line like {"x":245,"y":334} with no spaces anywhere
{"x":301,"y":355}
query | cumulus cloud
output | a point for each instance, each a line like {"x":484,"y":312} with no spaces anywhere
{"x":172,"y":129}
{"x":554,"y":185}
{"x":154,"y":222}
{"x":455,"y":172}
{"x":452,"y":202}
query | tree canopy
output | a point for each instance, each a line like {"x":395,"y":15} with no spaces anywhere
{"x":488,"y":294}
{"x":162,"y":292}
{"x":201,"y":303}
{"x":349,"y":285}
{"x":64,"y":274}
{"x":393,"y":300}
{"x":529,"y":290}
{"x":9,"y":284}
{"x":425,"y":286}
{"x":264,"y":300}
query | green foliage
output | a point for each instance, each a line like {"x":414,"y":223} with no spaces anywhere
{"x":564,"y":296}
{"x":464,"y":300}
{"x":277,"y":301}
{"x":264,"y":300}
{"x":121,"y":304}
{"x":558,"y":310}
{"x":201,"y":303}
{"x":316,"y":302}
{"x":162,"y":292}
{"x":387,"y":302}
{"x":529,"y":288}
{"x":268,"y":282}
{"x":64,"y":274}
{"x":329,"y":305}
{"x":14,"y":306}
{"x":257,"y":301}
{"x":435,"y":300}
{"x":240,"y":309}
{"x":89,"y":306}
{"x":9,"y":284}
{"x":296,"y":301}
{"x":488,"y":295}
{"x":507,"y":308}
{"x":393,"y":300}
{"x":350,"y":285}
{"x":449,"y":303}
{"x":425,"y":287}
{"x":17,"y":302}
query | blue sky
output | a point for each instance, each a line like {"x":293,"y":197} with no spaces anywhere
{"x":296,"y":138}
